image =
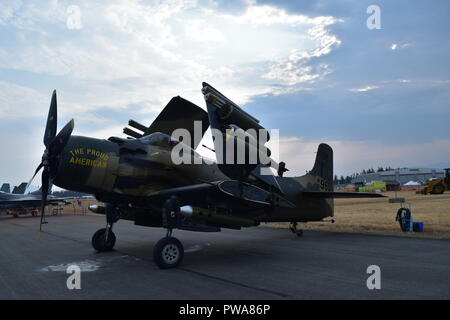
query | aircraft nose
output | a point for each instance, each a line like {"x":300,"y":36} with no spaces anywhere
{"x":86,"y":164}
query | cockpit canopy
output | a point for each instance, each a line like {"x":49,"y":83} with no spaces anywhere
{"x":159,"y":139}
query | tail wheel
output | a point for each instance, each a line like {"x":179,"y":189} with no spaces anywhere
{"x":168,"y":253}
{"x":100,"y":243}
{"x":438,"y":189}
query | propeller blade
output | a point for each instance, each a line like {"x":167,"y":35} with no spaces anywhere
{"x":34,"y":175}
{"x":55,"y":144}
{"x":45,"y":182}
{"x":59,"y":142}
{"x":50,"y":129}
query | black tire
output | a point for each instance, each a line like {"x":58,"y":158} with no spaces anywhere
{"x":438,"y":189}
{"x":300,"y":232}
{"x":100,"y":244}
{"x":168,"y":253}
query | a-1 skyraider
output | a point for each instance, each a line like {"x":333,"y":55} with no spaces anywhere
{"x":137,"y":179}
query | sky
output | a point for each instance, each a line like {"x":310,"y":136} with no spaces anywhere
{"x":312,"y":69}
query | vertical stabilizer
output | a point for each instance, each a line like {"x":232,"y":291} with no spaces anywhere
{"x":6,"y":188}
{"x":20,"y":189}
{"x":323,"y":167}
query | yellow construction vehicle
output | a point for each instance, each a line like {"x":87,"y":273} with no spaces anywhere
{"x":438,"y":186}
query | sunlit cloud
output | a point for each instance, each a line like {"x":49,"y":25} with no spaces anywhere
{"x":364,"y":89}
{"x":143,"y":53}
{"x":396,"y":46}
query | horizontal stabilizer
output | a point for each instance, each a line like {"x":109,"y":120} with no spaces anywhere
{"x":335,"y":195}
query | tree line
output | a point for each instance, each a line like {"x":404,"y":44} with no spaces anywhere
{"x":348,"y":179}
{"x":380,"y":169}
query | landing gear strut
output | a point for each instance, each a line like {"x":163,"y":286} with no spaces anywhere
{"x":168,"y":252}
{"x":294,"y":229}
{"x":105,"y":239}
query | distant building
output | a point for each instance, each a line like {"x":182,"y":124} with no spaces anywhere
{"x":400,"y":176}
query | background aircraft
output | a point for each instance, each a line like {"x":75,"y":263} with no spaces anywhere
{"x":137,"y":179}
{"x":31,"y":200}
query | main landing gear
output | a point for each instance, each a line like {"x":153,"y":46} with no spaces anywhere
{"x":169,"y":251}
{"x":105,"y":239}
{"x":294,"y":229}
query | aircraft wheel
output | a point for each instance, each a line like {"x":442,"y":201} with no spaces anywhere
{"x":168,"y":253}
{"x":100,"y":243}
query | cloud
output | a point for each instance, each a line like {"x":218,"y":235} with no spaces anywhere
{"x":295,"y":69}
{"x":143,"y":53}
{"x":396,"y":46}
{"x":364,"y":89}
{"x":16,"y":100}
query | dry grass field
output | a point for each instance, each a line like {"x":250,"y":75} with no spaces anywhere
{"x":377,"y":215}
{"x":371,"y":215}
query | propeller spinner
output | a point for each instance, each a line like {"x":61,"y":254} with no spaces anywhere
{"x":54,"y":144}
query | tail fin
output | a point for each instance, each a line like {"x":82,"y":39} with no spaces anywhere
{"x":5,"y":188}
{"x":323,"y":187}
{"x":320,"y":178}
{"x":20,"y":189}
{"x":323,"y":167}
{"x":317,"y":184}
{"x":321,"y":175}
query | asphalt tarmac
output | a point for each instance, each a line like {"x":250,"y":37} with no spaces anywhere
{"x":253,"y":263}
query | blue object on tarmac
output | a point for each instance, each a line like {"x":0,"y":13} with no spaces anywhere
{"x":418,"y":227}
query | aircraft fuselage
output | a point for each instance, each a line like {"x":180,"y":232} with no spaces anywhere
{"x":129,"y":170}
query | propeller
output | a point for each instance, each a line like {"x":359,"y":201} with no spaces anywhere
{"x":54,"y":145}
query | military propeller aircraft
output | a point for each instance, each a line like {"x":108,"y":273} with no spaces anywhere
{"x":137,"y":179}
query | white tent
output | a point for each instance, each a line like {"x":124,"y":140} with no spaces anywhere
{"x":412,"y":183}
